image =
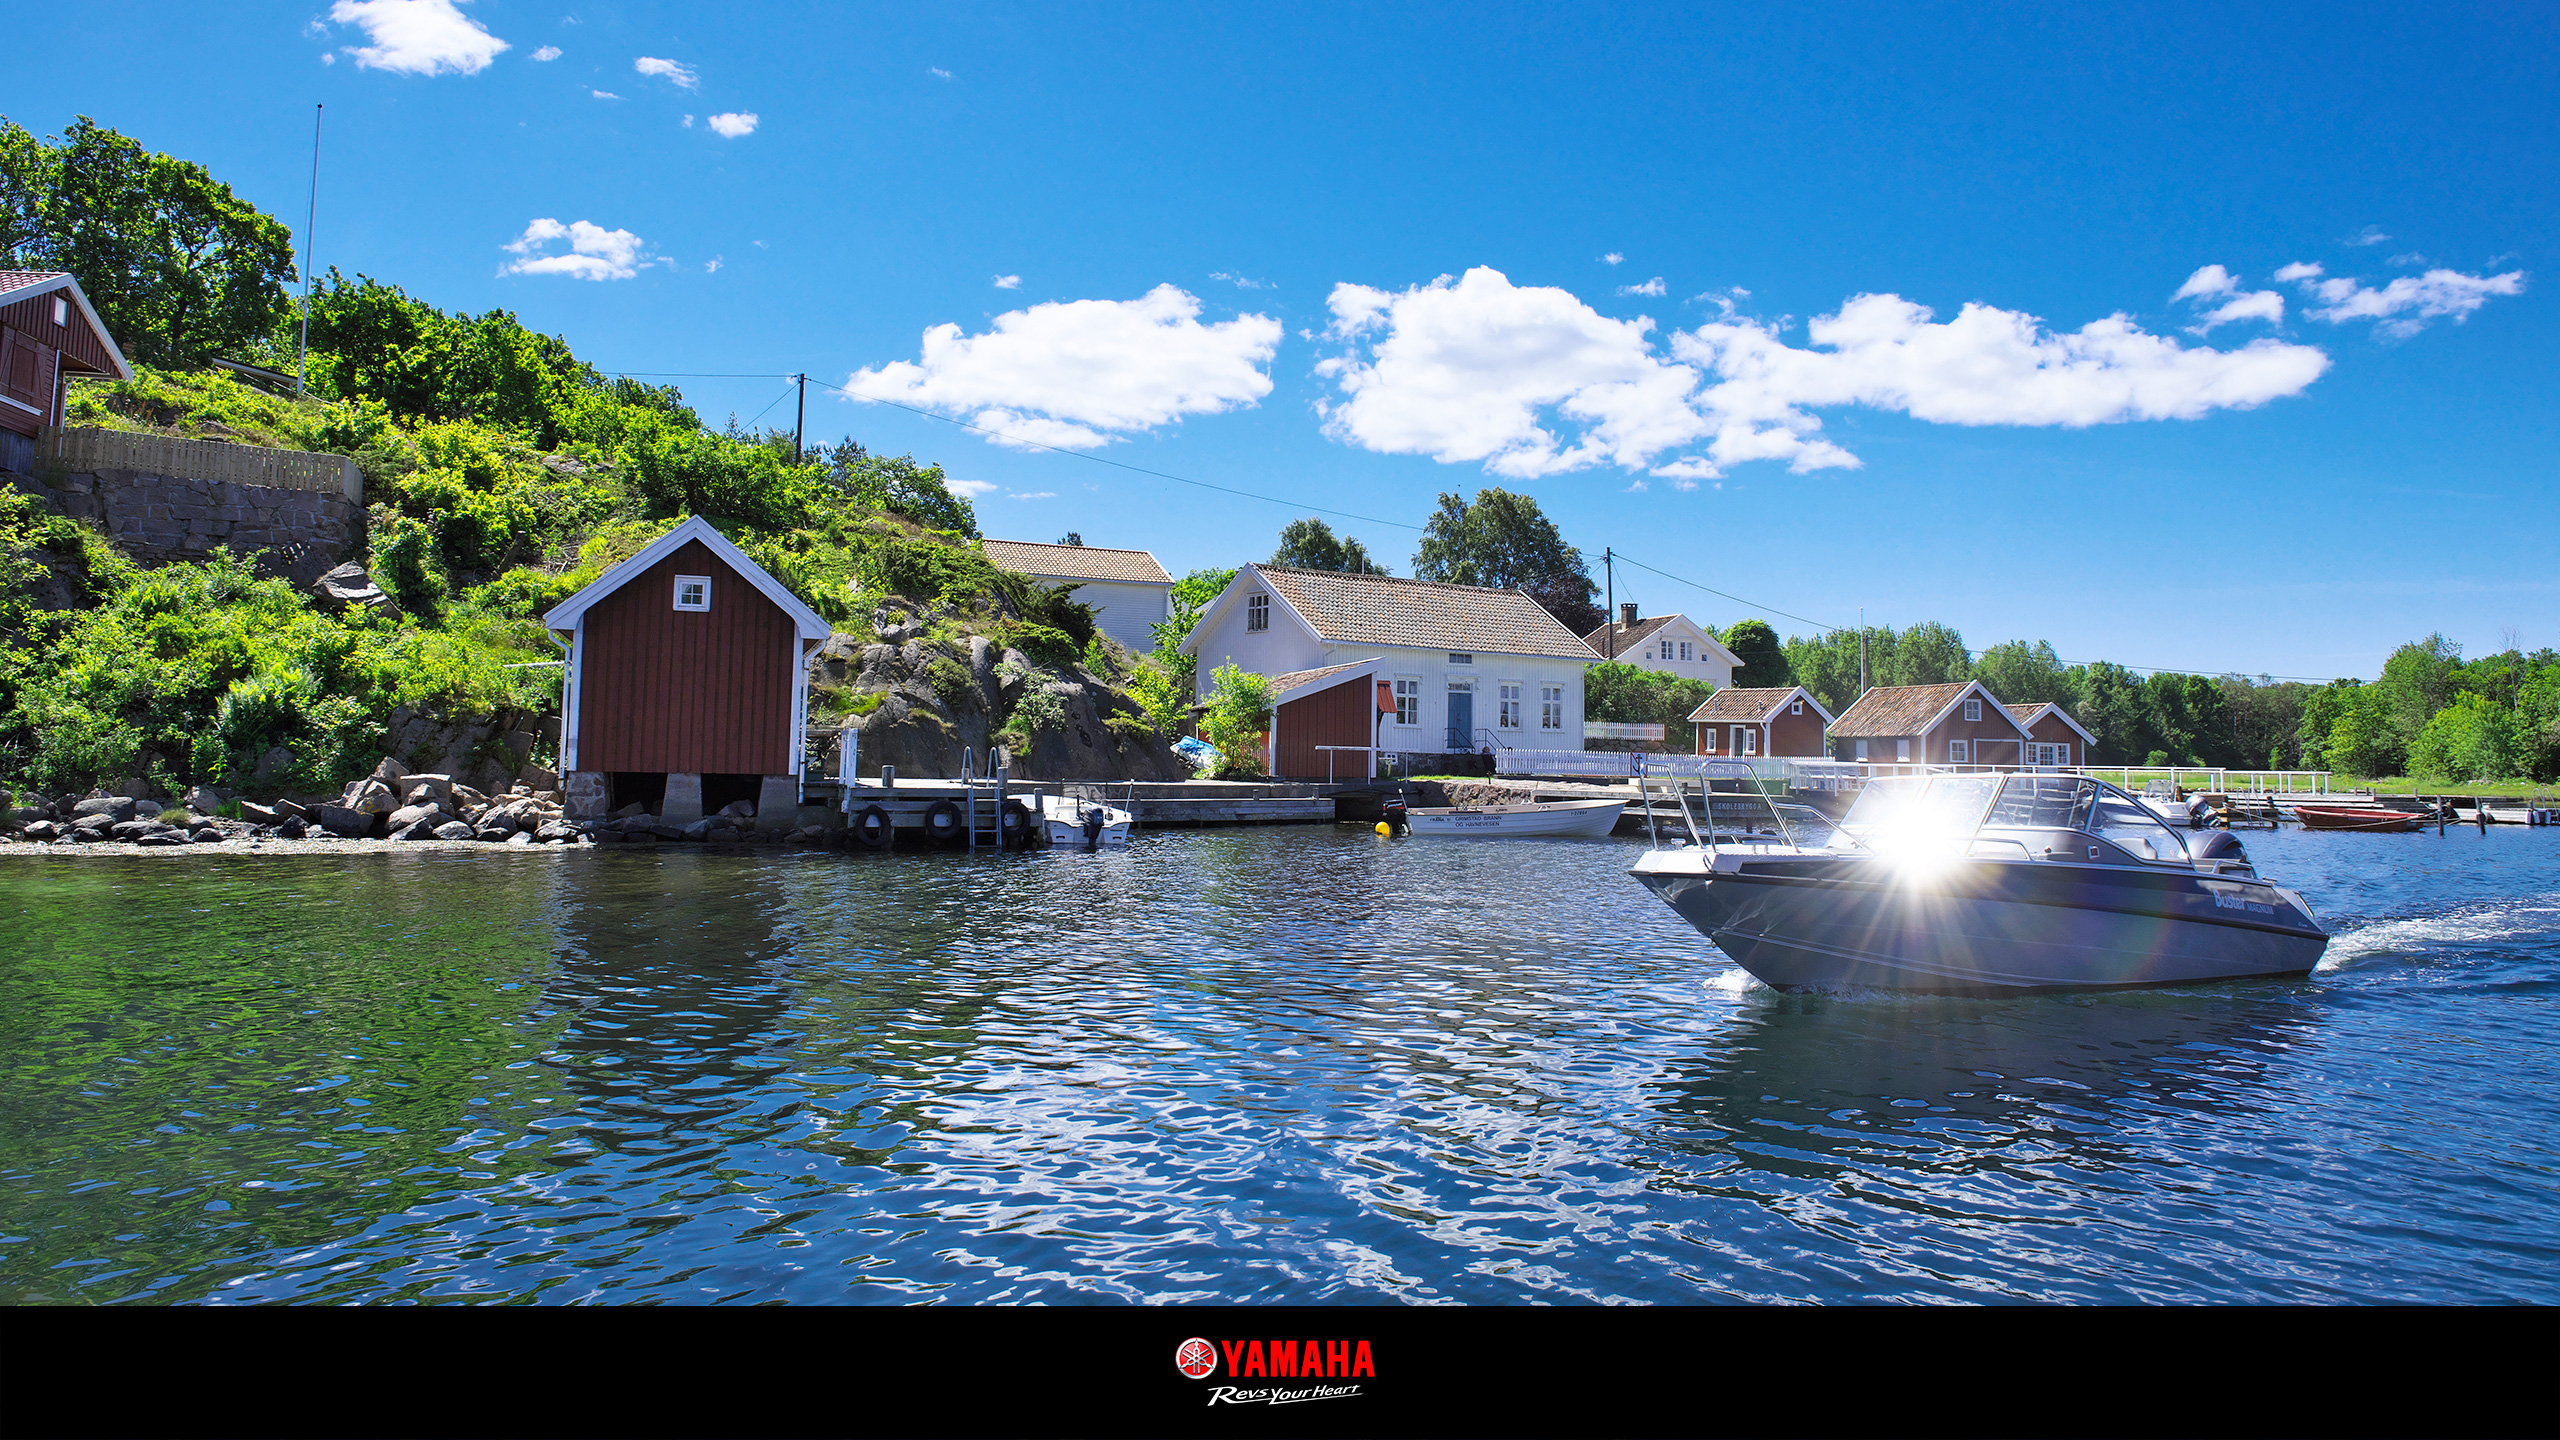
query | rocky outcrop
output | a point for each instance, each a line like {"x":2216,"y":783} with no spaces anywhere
{"x":489,"y":753}
{"x":349,"y":588}
{"x":927,"y":697}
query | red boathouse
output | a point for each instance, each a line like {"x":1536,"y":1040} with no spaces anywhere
{"x":688,"y":683}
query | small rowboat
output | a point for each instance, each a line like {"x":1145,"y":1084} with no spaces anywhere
{"x":1572,"y":818}
{"x":2339,"y":817}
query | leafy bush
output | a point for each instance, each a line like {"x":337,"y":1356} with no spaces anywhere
{"x":1238,"y":717}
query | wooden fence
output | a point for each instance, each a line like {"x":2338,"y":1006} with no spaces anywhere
{"x":81,"y":450}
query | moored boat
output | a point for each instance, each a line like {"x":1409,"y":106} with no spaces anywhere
{"x":1084,"y":824}
{"x":2342,"y":817}
{"x":1985,"y":883}
{"x":1584,"y":819}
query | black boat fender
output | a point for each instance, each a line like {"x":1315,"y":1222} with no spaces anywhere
{"x":942,"y":820}
{"x":872,"y":830}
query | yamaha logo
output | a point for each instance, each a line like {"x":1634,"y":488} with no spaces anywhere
{"x":1195,"y":1358}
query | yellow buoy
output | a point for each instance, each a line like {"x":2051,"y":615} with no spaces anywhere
{"x":1384,"y":828}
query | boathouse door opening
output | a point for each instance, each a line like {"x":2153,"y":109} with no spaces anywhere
{"x":719,"y":792}
{"x":646,"y":787}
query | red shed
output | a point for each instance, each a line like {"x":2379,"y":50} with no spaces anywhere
{"x":1325,"y":722}
{"x":688,"y":683}
{"x":1740,"y":724}
{"x":2053,"y":737}
{"x":47,"y":333}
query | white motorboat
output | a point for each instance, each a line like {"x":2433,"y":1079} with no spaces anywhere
{"x":1986,"y":883}
{"x":1083,"y":824}
{"x":2164,"y":799}
{"x":1583,"y":819}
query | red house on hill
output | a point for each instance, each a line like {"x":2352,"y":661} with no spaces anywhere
{"x":48,"y":333}
{"x":688,"y":683}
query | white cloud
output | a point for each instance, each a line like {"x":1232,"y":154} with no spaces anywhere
{"x":1008,"y":282}
{"x":938,"y":70}
{"x":1033,"y":494}
{"x":547,"y":53}
{"x":2210,"y":281}
{"x":1685,"y":483}
{"x":712,"y":265}
{"x":2406,"y":305}
{"x":757,"y":243}
{"x":604,"y":94}
{"x":328,"y":59}
{"x":594,"y":252}
{"x":1080,"y":374}
{"x":1613,"y":258}
{"x":2412,"y":258}
{"x":2264,"y":305}
{"x":1227,"y":277}
{"x":677,"y":71}
{"x":2369,"y":235}
{"x":732,"y":126}
{"x":1638,"y":487}
{"x":688,"y":122}
{"x":417,"y":37}
{"x":971,"y":488}
{"x":1650,"y":287}
{"x":2298,"y":270}
{"x":1531,"y":381}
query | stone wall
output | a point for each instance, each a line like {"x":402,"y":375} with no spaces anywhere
{"x":158,"y":518}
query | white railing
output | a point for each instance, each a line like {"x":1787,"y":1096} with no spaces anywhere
{"x":82,"y":450}
{"x":2216,"y":780}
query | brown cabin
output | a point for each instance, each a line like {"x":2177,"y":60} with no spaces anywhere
{"x":1324,"y":723}
{"x":1953,"y":724}
{"x":2053,"y":737}
{"x":48,"y":334}
{"x":1739,"y":724}
{"x":688,"y":683}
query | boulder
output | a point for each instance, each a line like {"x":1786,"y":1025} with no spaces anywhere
{"x":631,"y":811}
{"x":722,"y":834}
{"x":453,"y":830}
{"x":662,"y":832}
{"x":408,"y":815}
{"x":349,"y":588}
{"x":206,"y":837}
{"x":202,"y":800}
{"x":438,"y":788}
{"x":488,"y":835}
{"x":345,"y":823}
{"x":41,"y":830}
{"x":371,"y":797}
{"x":165,"y":837}
{"x":556,"y":830}
{"x":534,"y":777}
{"x":20,"y":816}
{"x":293,"y":809}
{"x":257,"y":814}
{"x":496,"y":818}
{"x":698,"y":830}
{"x":467,"y":799}
{"x":114,"y":807}
{"x":737,"y":810}
{"x":521,"y":837}
{"x":421,"y":829}
{"x":134,"y":787}
{"x":136,"y":829}
{"x":392,"y":773}
{"x":291,"y":828}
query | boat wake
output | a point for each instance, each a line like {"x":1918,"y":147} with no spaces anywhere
{"x":2426,"y":937}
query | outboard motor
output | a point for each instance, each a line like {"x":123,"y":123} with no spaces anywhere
{"x":1094,"y":820}
{"x":2223,"y":851}
{"x":1392,"y":816}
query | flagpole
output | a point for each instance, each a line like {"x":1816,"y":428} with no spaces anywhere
{"x":302,"y":361}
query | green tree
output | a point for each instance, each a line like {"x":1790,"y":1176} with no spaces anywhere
{"x":1930,"y":654}
{"x":1309,"y":545}
{"x":1238,"y":718}
{"x":1631,"y":694}
{"x":1827,"y":665}
{"x":922,"y":493}
{"x":2470,"y":739}
{"x":178,"y":266}
{"x":2024,"y":674}
{"x":1764,"y":660}
{"x":2113,"y":711}
{"x":1501,"y":540}
{"x":1191,"y":596}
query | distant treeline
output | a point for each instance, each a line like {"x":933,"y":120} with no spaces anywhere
{"x":2431,"y":714}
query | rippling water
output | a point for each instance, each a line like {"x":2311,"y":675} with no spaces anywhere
{"x":1300,"y":1064}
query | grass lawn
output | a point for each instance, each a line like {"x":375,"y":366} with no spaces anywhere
{"x":2401,"y":785}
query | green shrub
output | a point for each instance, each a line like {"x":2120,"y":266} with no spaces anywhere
{"x":1238,"y":718}
{"x":951,"y":680}
{"x":1047,"y":647}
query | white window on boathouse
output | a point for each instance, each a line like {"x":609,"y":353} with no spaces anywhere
{"x":1973,"y":709}
{"x":1955,"y":752}
{"x":693,"y":592}
{"x":1257,"y":613}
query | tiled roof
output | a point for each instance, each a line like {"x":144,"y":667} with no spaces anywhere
{"x":1384,"y":610}
{"x":1282,"y":684}
{"x":1733,"y":704}
{"x":2028,"y":715}
{"x":1895,"y":710}
{"x":21,"y":279}
{"x":1077,"y":562}
{"x":1629,"y":636}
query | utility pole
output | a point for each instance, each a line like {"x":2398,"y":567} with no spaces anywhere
{"x":1862,"y":649}
{"x":302,"y":361}
{"x":1609,"y":566}
{"x":800,"y":452}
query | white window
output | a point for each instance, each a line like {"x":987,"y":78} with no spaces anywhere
{"x":1796,"y":709}
{"x":1666,"y":649}
{"x":1750,"y":742}
{"x":1862,"y":751}
{"x":1973,"y":709}
{"x":1955,"y":752}
{"x":1684,"y":649}
{"x":1461,"y":657}
{"x":1257,"y":613}
{"x":1706,"y":739}
{"x":2062,"y":753}
{"x":1509,"y":715}
{"x":1550,"y":707}
{"x":1408,"y":700}
{"x":1902,"y":750}
{"x":61,"y":310}
{"x":693,"y":592}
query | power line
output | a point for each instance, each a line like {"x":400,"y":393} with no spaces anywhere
{"x":1736,"y":599}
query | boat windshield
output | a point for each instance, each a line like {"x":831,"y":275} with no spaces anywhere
{"x":1897,"y":813}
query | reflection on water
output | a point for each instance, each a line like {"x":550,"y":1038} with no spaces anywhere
{"x":1286,"y":1065}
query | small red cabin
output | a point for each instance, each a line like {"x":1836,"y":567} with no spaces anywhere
{"x":688,"y":683}
{"x":48,"y":333}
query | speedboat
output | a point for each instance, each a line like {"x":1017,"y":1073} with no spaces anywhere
{"x":1087,"y":824}
{"x":1986,"y":884}
{"x":1583,"y":819}
{"x":2164,"y":799}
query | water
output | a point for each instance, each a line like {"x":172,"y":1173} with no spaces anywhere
{"x":1303,"y":1065}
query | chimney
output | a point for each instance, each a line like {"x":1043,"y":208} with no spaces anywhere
{"x":1627,"y":614}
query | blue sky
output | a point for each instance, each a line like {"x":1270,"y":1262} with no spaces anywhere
{"x":1698,"y":280}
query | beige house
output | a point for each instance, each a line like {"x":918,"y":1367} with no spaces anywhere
{"x":1672,"y":644}
{"x":1128,"y":590}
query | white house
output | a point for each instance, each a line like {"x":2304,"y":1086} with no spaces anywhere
{"x":1673,"y":644}
{"x":1453,"y":667}
{"x":1128,"y":590}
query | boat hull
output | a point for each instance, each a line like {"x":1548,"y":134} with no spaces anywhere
{"x":1584,"y":819}
{"x":2314,"y":817}
{"x":1062,"y":818}
{"x":1973,"y":927}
